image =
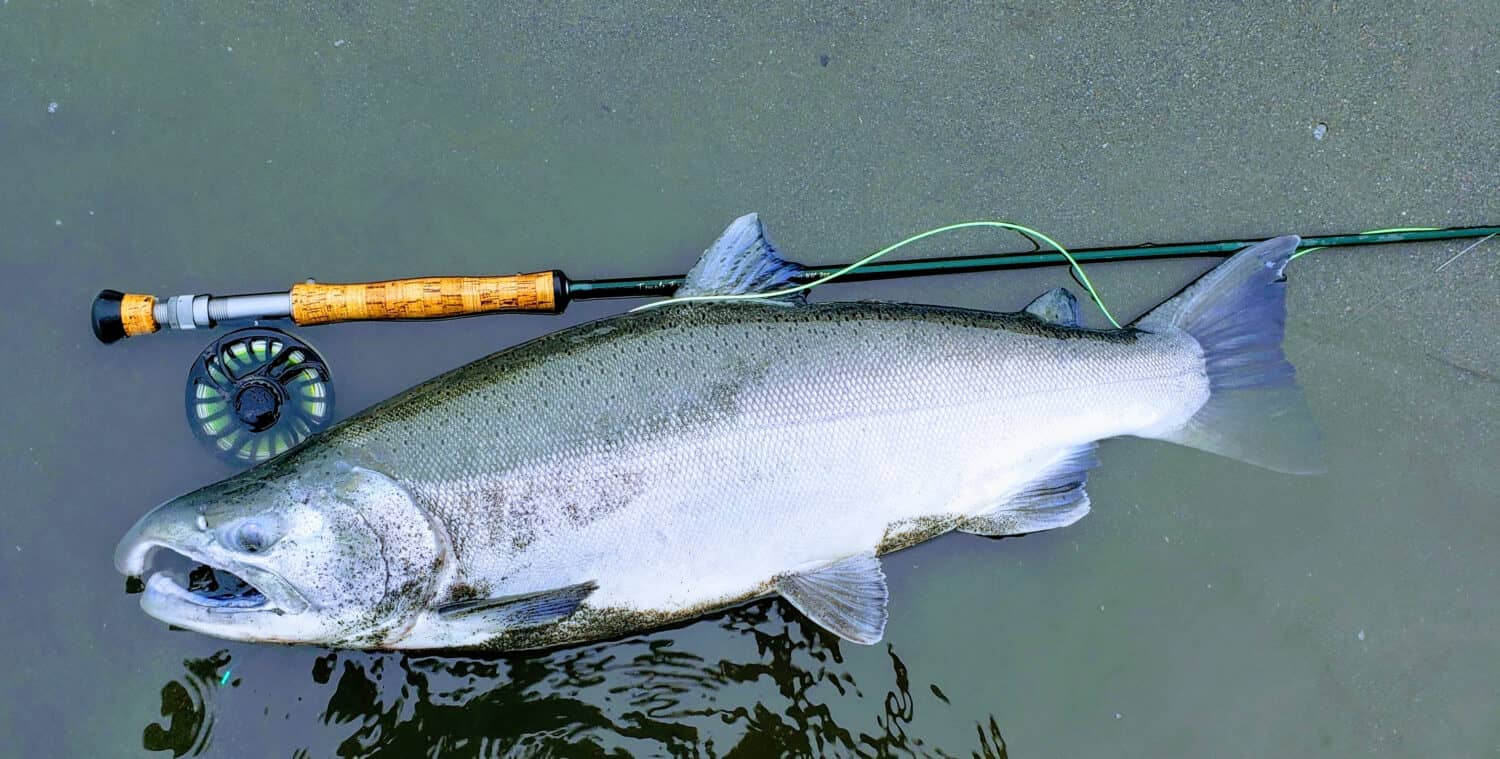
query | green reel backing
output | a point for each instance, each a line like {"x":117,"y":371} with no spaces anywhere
{"x":255,"y":393}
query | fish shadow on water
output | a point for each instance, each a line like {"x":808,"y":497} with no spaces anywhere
{"x":780,"y":686}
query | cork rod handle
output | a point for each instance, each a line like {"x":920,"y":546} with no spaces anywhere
{"x":427,"y":298}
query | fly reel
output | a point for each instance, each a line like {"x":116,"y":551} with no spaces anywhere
{"x":255,"y":393}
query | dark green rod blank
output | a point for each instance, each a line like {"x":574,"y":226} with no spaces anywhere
{"x":663,"y":286}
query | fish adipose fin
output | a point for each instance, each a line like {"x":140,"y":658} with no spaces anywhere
{"x":524,"y":610}
{"x":743,"y":260}
{"x":1255,"y":411}
{"x":1056,"y":306}
{"x":848,"y":597}
{"x":1056,"y":499}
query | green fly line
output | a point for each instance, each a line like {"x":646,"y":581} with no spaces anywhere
{"x":1034,"y":235}
{"x":1028,"y":232}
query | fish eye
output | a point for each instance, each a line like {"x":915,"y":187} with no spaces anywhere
{"x":250,"y":537}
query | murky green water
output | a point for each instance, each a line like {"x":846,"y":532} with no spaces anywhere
{"x":1204,"y":608}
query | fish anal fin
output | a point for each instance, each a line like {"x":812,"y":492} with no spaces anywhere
{"x":1055,"y":499}
{"x":743,"y":260}
{"x":522,"y":610}
{"x":847,"y":597}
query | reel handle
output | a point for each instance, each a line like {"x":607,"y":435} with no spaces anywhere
{"x":428,"y":298}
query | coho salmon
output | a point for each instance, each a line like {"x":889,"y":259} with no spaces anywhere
{"x":655,"y":466}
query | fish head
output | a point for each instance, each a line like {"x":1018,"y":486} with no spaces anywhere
{"x":334,"y":555}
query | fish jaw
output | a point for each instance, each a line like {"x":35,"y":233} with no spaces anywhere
{"x":240,"y":596}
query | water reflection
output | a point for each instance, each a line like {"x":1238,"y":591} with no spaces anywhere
{"x":776,"y":686}
{"x":187,"y":709}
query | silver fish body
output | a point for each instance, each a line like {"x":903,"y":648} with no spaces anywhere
{"x":654,"y":466}
{"x":685,"y":457}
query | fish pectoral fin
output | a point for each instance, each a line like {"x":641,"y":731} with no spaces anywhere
{"x":741,"y":261}
{"x":1056,"y":499}
{"x":1056,"y":306}
{"x":847,"y":597}
{"x":522,"y":610}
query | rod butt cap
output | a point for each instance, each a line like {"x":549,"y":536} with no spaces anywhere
{"x":105,"y":316}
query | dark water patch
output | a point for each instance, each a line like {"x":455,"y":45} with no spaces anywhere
{"x":774,"y":685}
{"x":187,"y":709}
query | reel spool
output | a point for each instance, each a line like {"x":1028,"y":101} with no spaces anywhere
{"x":254,"y":393}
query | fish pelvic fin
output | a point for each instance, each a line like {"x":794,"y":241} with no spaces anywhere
{"x":1255,"y":411}
{"x":1055,"y":499}
{"x":743,"y":260}
{"x":847,"y":597}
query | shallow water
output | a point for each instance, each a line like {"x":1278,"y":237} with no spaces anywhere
{"x":1204,"y":608}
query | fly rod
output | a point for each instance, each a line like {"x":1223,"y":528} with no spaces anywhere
{"x":116,"y":315}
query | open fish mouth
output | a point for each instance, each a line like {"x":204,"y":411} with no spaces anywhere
{"x":174,"y":577}
{"x":186,"y":587}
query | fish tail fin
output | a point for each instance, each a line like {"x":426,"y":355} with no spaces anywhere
{"x":1255,"y":411}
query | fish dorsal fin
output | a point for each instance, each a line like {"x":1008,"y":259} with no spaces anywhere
{"x":1056,"y":306}
{"x":522,"y":610}
{"x":741,"y":261}
{"x":1054,"y":499}
{"x":847,"y":597}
